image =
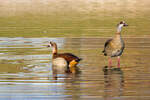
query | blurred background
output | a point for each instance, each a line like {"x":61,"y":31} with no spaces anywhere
{"x":73,"y":18}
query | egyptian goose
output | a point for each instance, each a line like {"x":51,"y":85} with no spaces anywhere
{"x":114,"y":47}
{"x":67,"y":60}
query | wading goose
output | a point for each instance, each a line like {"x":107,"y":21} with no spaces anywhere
{"x":114,"y":47}
{"x":66,"y":60}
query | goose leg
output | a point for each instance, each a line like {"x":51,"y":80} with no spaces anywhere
{"x":109,"y":62}
{"x":118,"y":62}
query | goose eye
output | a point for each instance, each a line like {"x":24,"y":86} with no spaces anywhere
{"x":125,"y":24}
{"x":121,"y":22}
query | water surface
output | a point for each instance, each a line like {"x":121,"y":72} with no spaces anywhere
{"x":26,"y":70}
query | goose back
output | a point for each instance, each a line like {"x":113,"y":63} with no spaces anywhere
{"x":67,"y":56}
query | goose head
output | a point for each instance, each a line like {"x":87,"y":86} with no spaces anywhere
{"x":52,"y":44}
{"x":54,"y":47}
{"x":122,"y":24}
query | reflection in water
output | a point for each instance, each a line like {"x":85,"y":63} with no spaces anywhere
{"x":73,"y":88}
{"x":26,"y":70}
{"x":64,"y":72}
{"x":114,"y":82}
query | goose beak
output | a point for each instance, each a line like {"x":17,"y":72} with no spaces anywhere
{"x":125,"y":25}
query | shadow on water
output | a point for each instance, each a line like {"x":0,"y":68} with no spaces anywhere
{"x":113,"y":82}
{"x":64,"y":73}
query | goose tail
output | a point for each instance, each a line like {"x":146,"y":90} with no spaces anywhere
{"x":77,"y":60}
{"x":105,"y":54}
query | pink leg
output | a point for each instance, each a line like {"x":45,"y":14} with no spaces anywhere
{"x":109,"y":62}
{"x":118,"y":62}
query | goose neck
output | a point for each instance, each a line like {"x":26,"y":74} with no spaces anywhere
{"x":54,"y":49}
{"x":119,"y":28}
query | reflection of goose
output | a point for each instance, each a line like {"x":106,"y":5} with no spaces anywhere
{"x":115,"y":46}
{"x":62,"y":73}
{"x":114,"y":82}
{"x":63,"y":61}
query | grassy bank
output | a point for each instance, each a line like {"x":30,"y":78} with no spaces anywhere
{"x":78,"y":19}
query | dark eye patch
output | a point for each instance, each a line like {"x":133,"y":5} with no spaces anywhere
{"x":121,"y":22}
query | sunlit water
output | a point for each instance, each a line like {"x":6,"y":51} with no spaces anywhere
{"x":26,"y":70}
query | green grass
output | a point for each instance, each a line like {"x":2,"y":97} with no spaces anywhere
{"x":69,"y":24}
